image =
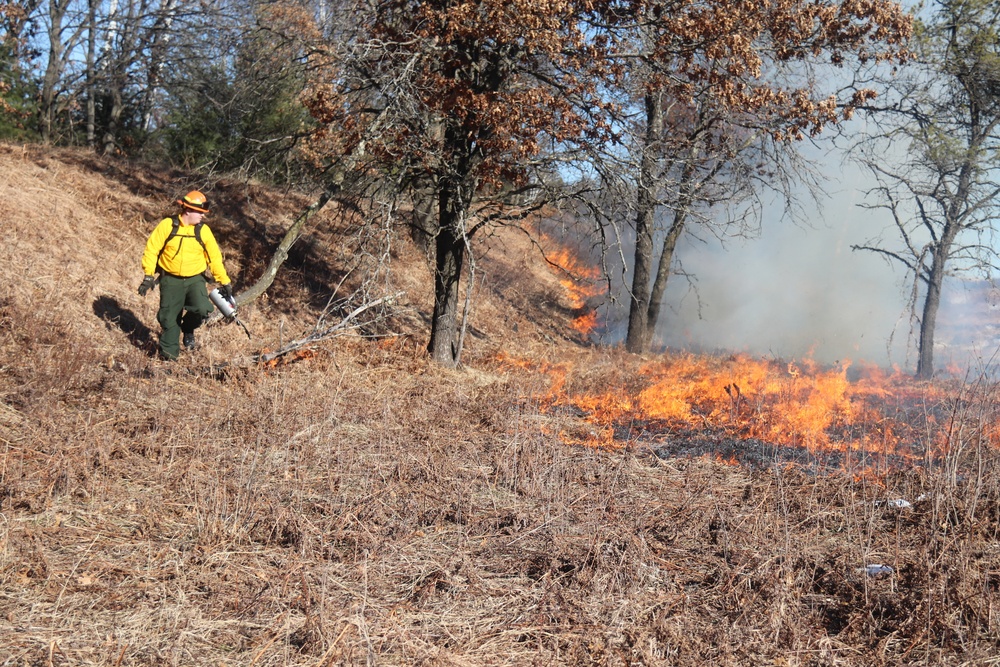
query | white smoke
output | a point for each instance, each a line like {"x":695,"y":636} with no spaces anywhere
{"x":794,"y":292}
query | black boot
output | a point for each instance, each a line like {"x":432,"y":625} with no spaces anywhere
{"x":189,"y":340}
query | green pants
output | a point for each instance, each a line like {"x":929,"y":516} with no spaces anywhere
{"x":184,"y":303}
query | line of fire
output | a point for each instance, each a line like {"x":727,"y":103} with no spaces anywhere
{"x":735,"y":408}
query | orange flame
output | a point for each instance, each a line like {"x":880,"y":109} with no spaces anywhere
{"x":580,"y":282}
{"x":797,"y":405}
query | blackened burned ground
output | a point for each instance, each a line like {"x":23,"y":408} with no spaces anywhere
{"x":756,"y":453}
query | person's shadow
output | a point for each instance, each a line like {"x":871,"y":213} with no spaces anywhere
{"x":114,"y":315}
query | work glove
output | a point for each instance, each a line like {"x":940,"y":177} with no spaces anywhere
{"x":147,"y":284}
{"x":226,"y":291}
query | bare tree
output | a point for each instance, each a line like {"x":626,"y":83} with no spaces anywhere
{"x":695,"y":171}
{"x":91,"y":74}
{"x":93,"y":48}
{"x":232,"y":104}
{"x":105,"y":64}
{"x":142,"y":38}
{"x":935,"y":160}
{"x":65,"y":28}
{"x":720,"y":111}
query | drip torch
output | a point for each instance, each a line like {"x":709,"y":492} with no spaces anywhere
{"x":227,"y":307}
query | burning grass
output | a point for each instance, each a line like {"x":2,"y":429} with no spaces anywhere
{"x":363,"y":507}
{"x":580,"y":281}
{"x":800,"y":408}
{"x":359,"y":506}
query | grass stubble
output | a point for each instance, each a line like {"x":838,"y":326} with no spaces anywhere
{"x":366,"y":507}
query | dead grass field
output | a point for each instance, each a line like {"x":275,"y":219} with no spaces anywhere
{"x":363,"y":507}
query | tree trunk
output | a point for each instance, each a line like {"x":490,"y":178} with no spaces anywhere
{"x":53,"y":72}
{"x":685,"y":198}
{"x":281,"y":254}
{"x":422,"y":229}
{"x":638,"y":324}
{"x":111,"y":131}
{"x":334,"y":187}
{"x":445,"y":344}
{"x":642,"y":263}
{"x":925,"y":348}
{"x":91,"y":73}
{"x":161,"y":36}
{"x":662,"y":276}
{"x":942,"y":251}
{"x":935,"y":282}
{"x":63,"y":42}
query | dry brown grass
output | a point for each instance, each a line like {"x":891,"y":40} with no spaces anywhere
{"x":364,"y":507}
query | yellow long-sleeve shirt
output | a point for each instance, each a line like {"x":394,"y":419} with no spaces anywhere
{"x":183,"y":256}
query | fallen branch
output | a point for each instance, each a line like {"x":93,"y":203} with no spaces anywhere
{"x":320,"y":333}
{"x":344,"y":172}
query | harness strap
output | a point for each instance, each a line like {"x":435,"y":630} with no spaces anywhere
{"x":176,"y":224}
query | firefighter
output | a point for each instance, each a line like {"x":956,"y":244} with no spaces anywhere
{"x":180,"y":248}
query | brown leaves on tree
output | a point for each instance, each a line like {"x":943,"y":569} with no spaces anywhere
{"x":504,"y":76}
{"x":463,"y":99}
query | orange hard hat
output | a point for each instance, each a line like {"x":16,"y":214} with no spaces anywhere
{"x":195,"y":201}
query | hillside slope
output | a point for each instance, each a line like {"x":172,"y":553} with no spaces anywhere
{"x":360,"y":506}
{"x":76,"y":228}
